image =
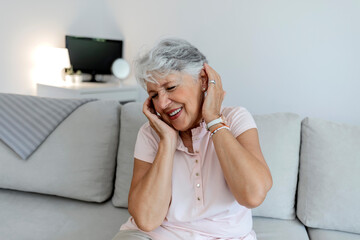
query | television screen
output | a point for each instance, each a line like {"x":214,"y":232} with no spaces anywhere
{"x":93,"y":55}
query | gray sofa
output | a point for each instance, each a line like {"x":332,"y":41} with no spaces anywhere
{"x":75,"y":185}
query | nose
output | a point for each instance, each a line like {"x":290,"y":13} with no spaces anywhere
{"x":164,"y":100}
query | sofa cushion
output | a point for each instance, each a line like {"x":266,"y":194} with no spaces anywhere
{"x":279,"y":135}
{"x":132,"y":118}
{"x":274,"y":229}
{"x":328,"y":192}
{"x":322,"y":234}
{"x":34,"y":216}
{"x":77,"y":160}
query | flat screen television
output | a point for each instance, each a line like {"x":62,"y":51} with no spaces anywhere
{"x":93,"y":55}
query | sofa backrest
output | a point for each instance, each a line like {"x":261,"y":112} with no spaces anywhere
{"x":279,"y":135}
{"x":132,"y":118}
{"x":329,"y":180}
{"x":77,"y":160}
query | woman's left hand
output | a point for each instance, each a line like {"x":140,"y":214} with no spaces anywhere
{"x":214,"y":97}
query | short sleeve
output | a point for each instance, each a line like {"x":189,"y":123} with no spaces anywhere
{"x":239,"y":120}
{"x":147,"y":143}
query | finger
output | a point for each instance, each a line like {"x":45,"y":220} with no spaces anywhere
{"x":213,"y":75}
{"x":210,"y":72}
{"x":146,"y":105}
{"x":148,"y":109}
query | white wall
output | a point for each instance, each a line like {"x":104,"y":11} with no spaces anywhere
{"x":298,"y":56}
{"x":26,"y":25}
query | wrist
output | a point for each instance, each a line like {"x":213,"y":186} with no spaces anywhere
{"x":218,"y":127}
{"x":211,"y":118}
{"x":212,"y":128}
{"x":168,"y":143}
{"x":215,"y":121}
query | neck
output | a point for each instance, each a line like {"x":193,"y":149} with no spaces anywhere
{"x":187,"y":134}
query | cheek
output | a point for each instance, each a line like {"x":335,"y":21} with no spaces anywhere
{"x":194,"y":103}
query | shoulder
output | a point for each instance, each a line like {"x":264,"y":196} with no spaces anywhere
{"x":239,"y":119}
{"x":146,"y":144}
{"x":232,"y":111}
{"x":237,"y":113}
{"x":146,"y":131}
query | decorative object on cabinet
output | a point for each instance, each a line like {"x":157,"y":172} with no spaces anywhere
{"x":120,"y":68}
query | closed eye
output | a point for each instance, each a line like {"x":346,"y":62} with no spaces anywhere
{"x":154,"y":96}
{"x":171,"y":88}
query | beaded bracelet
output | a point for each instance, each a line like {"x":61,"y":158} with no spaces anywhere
{"x":219,"y":128}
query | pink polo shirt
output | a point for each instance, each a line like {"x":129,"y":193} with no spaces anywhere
{"x":202,"y":205}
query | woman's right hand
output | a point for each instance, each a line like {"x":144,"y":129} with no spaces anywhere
{"x":166,"y":133}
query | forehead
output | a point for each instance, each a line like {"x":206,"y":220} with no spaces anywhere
{"x":171,"y":78}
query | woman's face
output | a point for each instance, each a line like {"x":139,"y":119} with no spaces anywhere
{"x":178,"y":99}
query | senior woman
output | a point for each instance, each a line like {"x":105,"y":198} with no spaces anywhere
{"x":198,"y":167}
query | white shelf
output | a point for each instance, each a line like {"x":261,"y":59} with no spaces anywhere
{"x":106,"y":91}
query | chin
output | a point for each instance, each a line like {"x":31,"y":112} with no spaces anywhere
{"x":183,"y":128}
{"x":178,"y":127}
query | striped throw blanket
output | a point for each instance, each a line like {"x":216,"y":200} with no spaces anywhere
{"x":26,"y":121}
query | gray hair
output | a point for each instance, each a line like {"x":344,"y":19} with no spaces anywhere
{"x":168,"y":56}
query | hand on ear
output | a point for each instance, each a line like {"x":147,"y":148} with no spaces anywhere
{"x":214,"y":94}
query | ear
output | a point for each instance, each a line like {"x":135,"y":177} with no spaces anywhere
{"x":203,"y":78}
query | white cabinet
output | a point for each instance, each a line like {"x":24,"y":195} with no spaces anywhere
{"x":106,"y":91}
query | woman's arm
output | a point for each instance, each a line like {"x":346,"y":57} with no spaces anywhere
{"x":150,"y":191}
{"x":241,"y":159}
{"x":243,"y":165}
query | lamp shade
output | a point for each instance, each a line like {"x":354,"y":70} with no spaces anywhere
{"x":50,"y":62}
{"x":51,"y":57}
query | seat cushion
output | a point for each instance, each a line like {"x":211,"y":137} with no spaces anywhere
{"x":275,"y":229}
{"x":33,"y":216}
{"x":77,"y":160}
{"x":279,"y":135}
{"x":322,"y":234}
{"x":328,"y":192}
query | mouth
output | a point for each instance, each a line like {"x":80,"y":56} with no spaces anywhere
{"x":175,"y":113}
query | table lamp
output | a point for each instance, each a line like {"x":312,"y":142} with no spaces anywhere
{"x":51,"y":63}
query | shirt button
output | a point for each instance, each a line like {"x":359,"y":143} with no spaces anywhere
{"x":197,"y":174}
{"x":198,"y":199}
{"x":198,"y":185}
{"x":196,"y":161}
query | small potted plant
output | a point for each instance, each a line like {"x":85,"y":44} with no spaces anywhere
{"x":73,"y":77}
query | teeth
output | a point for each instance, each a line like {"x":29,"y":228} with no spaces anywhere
{"x":175,"y":112}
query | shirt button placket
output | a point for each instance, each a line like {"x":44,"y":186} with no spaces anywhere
{"x":198,"y":186}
